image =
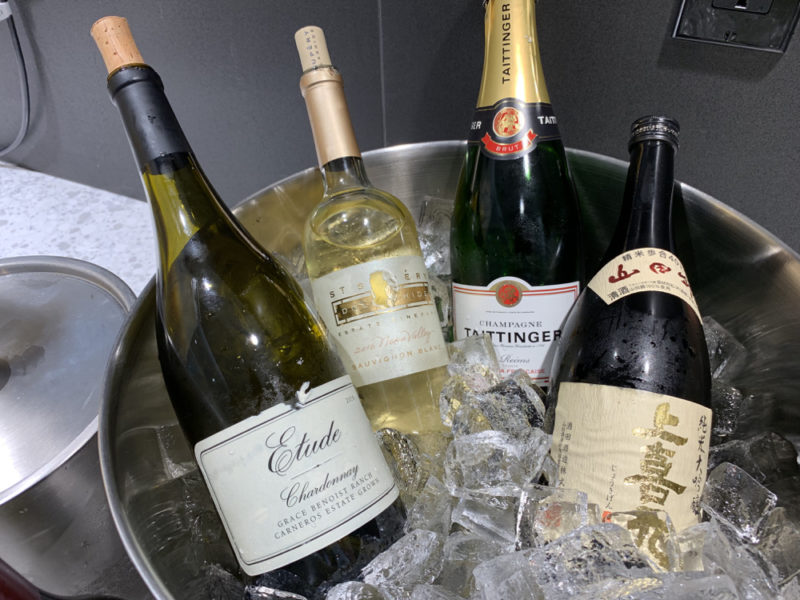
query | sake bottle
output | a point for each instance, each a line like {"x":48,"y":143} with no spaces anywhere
{"x":629,"y":406}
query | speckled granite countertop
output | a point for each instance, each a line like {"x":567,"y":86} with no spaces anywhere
{"x":44,"y":215}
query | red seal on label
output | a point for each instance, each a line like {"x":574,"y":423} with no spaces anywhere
{"x":508,"y":295}
{"x":507,"y":122}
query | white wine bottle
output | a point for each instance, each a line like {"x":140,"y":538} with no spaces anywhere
{"x":631,"y":381}
{"x":364,"y":261}
{"x":515,"y":240}
{"x":278,"y":431}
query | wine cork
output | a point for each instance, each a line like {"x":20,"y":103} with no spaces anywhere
{"x":113,"y":37}
{"x":312,"y":48}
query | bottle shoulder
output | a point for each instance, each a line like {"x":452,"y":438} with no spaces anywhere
{"x":360,"y":220}
{"x":649,"y":340}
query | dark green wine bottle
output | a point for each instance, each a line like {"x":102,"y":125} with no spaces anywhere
{"x":515,"y":242}
{"x":631,"y":386}
{"x":277,"y":428}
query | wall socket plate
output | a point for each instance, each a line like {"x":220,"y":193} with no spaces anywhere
{"x":755,"y":24}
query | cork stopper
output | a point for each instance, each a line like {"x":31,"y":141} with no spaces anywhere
{"x":312,"y":48}
{"x":115,"y":42}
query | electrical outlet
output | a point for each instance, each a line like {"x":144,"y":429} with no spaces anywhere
{"x":755,"y":24}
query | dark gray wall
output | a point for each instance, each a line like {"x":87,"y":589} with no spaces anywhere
{"x":412,"y":70}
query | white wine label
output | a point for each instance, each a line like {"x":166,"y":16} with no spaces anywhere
{"x":522,"y":321}
{"x":295,"y":479}
{"x":382,"y":315}
{"x":512,"y":128}
{"x":632,"y":449}
{"x":643,"y":270}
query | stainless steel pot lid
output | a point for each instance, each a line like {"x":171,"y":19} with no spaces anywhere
{"x":59,"y":318}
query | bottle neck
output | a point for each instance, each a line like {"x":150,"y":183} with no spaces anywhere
{"x":181,"y":197}
{"x":512,"y":66}
{"x":342,"y":174}
{"x":152,"y":128}
{"x":333,"y":133}
{"x":647,"y":206}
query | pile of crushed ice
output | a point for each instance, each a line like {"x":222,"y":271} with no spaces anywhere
{"x":480,"y":525}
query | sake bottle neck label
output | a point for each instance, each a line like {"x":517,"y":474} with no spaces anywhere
{"x":643,"y":270}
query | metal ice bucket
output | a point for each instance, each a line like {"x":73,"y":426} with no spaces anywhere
{"x":743,"y":277}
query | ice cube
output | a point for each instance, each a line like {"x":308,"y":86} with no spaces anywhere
{"x":491,"y":513}
{"x":727,"y":355}
{"x":767,"y":457}
{"x":463,"y":551}
{"x":507,"y":576}
{"x":432,"y":592}
{"x":513,"y":405}
{"x":780,"y":543}
{"x":563,"y":568}
{"x":440,"y":292}
{"x":666,"y":586}
{"x":260,"y":592}
{"x":550,"y":471}
{"x":414,"y":558}
{"x":546,"y":513}
{"x":653,"y":533}
{"x":587,"y":556}
{"x":690,"y":543}
{"x":432,"y":508}
{"x":725,"y":552}
{"x":726,"y":402}
{"x":493,"y":458}
{"x":475,"y":359}
{"x":434,"y":218}
{"x":354,"y":590}
{"x":730,"y":494}
{"x":279,"y":579}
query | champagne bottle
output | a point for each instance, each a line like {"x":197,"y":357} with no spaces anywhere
{"x":631,"y":382}
{"x":515,"y":244}
{"x":364,"y":261}
{"x":278,"y":431}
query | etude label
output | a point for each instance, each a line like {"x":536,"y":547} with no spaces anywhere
{"x":643,"y":270}
{"x":295,"y":479}
{"x":382,"y":315}
{"x":512,"y":128}
{"x":631,"y":449}
{"x":523,"y":321}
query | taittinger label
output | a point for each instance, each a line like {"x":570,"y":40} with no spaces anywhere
{"x":522,"y":320}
